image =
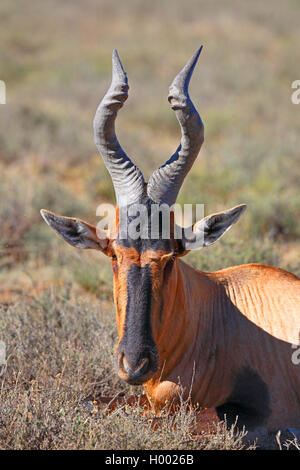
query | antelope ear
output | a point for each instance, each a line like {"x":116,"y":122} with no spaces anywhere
{"x":77,"y":232}
{"x":208,"y":230}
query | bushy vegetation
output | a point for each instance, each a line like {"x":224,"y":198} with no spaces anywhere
{"x":57,"y":315}
{"x":60,"y":361}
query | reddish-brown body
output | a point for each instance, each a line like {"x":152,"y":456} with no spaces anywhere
{"x":216,"y":327}
{"x":225,"y":339}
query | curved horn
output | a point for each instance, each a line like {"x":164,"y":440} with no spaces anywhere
{"x":127,"y":179}
{"x":166,"y":181}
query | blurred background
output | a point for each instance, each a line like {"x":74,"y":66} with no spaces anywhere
{"x":56,"y":308}
{"x":56,"y":62}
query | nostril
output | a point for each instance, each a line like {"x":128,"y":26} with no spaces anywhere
{"x":134,"y":371}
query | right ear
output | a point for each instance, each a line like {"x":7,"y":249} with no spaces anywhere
{"x":208,"y":230}
{"x":77,"y":232}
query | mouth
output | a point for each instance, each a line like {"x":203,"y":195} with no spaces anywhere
{"x":136,"y":375}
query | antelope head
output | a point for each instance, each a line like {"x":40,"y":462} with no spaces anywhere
{"x":142,"y":265}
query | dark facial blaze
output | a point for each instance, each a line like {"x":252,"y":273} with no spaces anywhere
{"x":137,"y":350}
{"x":139,"y":266}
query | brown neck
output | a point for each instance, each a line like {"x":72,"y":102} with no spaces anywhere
{"x":184,"y":316}
{"x":186,"y":334}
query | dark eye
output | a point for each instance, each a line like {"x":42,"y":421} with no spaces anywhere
{"x":154,"y":260}
{"x":114,"y":258}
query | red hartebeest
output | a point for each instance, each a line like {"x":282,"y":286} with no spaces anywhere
{"x":224,"y":338}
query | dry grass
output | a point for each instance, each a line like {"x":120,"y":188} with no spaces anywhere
{"x":59,"y":361}
{"x":60,"y":342}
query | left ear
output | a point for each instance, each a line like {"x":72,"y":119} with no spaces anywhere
{"x":208,"y":230}
{"x":77,"y":232}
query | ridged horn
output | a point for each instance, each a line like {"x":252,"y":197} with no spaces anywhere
{"x":127,"y":179}
{"x":166,"y":181}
